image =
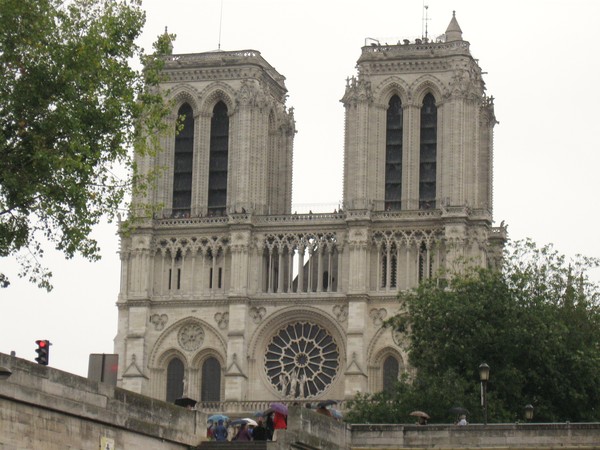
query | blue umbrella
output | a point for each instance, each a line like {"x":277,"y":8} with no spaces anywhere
{"x":216,"y":417}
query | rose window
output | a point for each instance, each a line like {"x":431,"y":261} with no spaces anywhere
{"x":302,"y":360}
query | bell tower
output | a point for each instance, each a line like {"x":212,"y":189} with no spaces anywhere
{"x":418,"y":128}
{"x":233,"y":152}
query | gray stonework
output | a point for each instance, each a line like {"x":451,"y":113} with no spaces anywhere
{"x":45,"y":408}
{"x":217,"y":289}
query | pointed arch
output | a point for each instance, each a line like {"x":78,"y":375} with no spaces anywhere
{"x":391,"y":373}
{"x":427,"y":84}
{"x":428,"y":153}
{"x":183,"y":162}
{"x":388,"y":365}
{"x":389,"y":87}
{"x":175,"y":376}
{"x":210,"y":388}
{"x":163,"y":347}
{"x":184,"y":93}
{"x":393,"y":154}
{"x":214,"y":93}
{"x":218,"y":160}
{"x":210,"y":365}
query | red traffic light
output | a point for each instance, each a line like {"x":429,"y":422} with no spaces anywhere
{"x":43,"y":351}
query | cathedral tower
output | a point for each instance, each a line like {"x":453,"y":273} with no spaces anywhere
{"x":226,"y":296}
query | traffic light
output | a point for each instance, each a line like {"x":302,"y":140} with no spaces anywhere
{"x":43,"y":352}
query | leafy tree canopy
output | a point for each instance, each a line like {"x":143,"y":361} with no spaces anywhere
{"x":535,"y":323}
{"x":71,"y":110}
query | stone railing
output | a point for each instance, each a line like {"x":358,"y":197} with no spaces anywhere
{"x":220,"y":57}
{"x":376,"y":51}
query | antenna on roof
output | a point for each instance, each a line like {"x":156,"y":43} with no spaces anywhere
{"x":425,"y":19}
{"x":220,"y":23}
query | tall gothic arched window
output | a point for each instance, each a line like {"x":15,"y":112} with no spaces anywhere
{"x":393,"y":155}
{"x":391,"y":371}
{"x":428,"y":153}
{"x":217,"y":173}
{"x":175,"y":374}
{"x":184,"y":154}
{"x":211,"y":381}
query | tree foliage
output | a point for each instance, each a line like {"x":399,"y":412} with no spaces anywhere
{"x":535,"y":323}
{"x":72,"y":108}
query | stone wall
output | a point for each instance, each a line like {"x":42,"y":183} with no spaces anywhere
{"x":45,"y":408}
{"x":564,"y":435}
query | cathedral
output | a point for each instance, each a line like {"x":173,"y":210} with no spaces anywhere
{"x":228,"y":295}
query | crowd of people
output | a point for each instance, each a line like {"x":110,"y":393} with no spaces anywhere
{"x":244,"y":430}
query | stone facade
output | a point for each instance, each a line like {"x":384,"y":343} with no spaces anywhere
{"x":228,"y":296}
{"x":45,"y":408}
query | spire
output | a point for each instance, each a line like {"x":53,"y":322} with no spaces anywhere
{"x":168,"y":42}
{"x":453,"y":32}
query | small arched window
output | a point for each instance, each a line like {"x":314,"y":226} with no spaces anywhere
{"x":428,"y":154}
{"x":211,"y":381}
{"x":425,"y":262}
{"x":175,"y":374}
{"x":391,"y":371}
{"x":393,"y":155}
{"x":217,"y":172}
{"x":184,"y":154}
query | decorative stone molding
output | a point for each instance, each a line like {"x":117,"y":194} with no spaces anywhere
{"x":222,"y":320}
{"x":190,"y":336}
{"x":378,"y":316}
{"x":257,"y":313}
{"x":159,"y":321}
{"x":340,"y":312}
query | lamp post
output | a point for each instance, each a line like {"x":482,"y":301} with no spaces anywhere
{"x":484,"y":376}
{"x":528,"y":412}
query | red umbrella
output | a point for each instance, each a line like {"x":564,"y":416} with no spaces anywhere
{"x":280,"y":408}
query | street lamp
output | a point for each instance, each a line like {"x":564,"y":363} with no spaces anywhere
{"x":484,"y":376}
{"x":528,"y":412}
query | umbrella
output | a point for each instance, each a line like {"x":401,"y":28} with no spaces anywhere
{"x":419,"y":414}
{"x":237,"y":422}
{"x":326,"y":403}
{"x":459,"y":410}
{"x":185,"y":402}
{"x":280,"y":408}
{"x":217,"y":417}
{"x":250,"y":421}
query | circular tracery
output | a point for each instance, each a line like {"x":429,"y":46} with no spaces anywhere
{"x":302,"y":360}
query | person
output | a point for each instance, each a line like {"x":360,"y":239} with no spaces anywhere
{"x":279,"y":423}
{"x":260,"y":433}
{"x":243,"y":434}
{"x":422,"y":421}
{"x":210,"y":431}
{"x":220,"y":432}
{"x":270,"y":426}
{"x":462,"y":420}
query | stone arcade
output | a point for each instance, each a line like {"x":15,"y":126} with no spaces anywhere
{"x":228,"y":296}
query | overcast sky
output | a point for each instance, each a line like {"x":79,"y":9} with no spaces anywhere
{"x":542,"y":68}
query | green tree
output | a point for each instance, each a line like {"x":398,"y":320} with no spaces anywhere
{"x":535,"y":323}
{"x":72,"y":108}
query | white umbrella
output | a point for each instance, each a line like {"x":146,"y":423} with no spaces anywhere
{"x":250,"y":421}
